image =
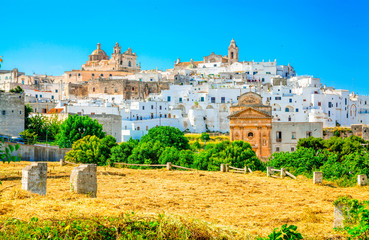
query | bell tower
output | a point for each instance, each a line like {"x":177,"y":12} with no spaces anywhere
{"x":232,"y":52}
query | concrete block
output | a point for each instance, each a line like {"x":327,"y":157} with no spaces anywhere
{"x":84,"y":180}
{"x":318,"y":177}
{"x":339,"y":215}
{"x":169,"y":166}
{"x":362,"y":180}
{"x":34,"y":178}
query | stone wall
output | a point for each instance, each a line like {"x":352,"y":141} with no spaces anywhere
{"x":11,"y":113}
{"x":112,"y":124}
{"x":129,"y":89}
{"x":39,"y":153}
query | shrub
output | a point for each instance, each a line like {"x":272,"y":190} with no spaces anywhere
{"x":356,"y":214}
{"x":121,"y":152}
{"x":91,"y":149}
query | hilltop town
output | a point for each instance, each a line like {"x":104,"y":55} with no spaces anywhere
{"x":252,"y":148}
{"x":193,"y":96}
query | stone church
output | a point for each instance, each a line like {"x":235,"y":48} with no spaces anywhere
{"x":232,"y":57}
{"x":251,"y":121}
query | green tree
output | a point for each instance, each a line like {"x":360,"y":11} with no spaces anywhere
{"x":76,"y":127}
{"x":237,"y":153}
{"x":27,"y":111}
{"x":37,"y":125}
{"x":17,"y":89}
{"x":121,"y":152}
{"x":29,"y":136}
{"x":205,"y":137}
{"x":167,"y":136}
{"x":91,"y":149}
{"x":146,"y":153}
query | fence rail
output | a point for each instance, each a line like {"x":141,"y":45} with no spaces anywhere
{"x":283,"y":172}
{"x":227,"y":168}
{"x":141,"y":165}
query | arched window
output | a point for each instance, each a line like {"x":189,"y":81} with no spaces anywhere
{"x":93,"y":89}
{"x":105,"y":90}
{"x":232,"y":55}
{"x":129,"y":63}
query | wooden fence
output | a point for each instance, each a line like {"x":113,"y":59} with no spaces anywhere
{"x":283,"y":172}
{"x":227,"y":168}
{"x":169,"y":165}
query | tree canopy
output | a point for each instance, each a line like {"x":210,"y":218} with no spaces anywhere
{"x":76,"y":127}
{"x":167,"y":136}
{"x":91,"y":149}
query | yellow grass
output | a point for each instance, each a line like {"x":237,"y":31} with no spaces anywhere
{"x":252,"y":202}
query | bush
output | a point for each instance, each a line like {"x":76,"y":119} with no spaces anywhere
{"x":128,"y":226}
{"x":91,"y":149}
{"x":238,"y":154}
{"x":340,"y":160}
{"x":28,"y":136}
{"x":121,"y":152}
{"x":356,"y":214}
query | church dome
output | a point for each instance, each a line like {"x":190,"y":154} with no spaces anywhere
{"x":98,"y":54}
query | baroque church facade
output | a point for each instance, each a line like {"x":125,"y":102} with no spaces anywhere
{"x":251,"y":121}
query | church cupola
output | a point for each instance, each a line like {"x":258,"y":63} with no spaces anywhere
{"x":232,"y":52}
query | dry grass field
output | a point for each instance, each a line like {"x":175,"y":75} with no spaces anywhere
{"x":245,"y":202}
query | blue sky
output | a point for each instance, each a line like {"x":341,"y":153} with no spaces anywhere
{"x":326,"y":39}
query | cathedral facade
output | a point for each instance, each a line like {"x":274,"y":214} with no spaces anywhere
{"x":100,"y":65}
{"x":251,"y":121}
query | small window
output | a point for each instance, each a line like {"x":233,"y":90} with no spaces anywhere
{"x":152,"y":106}
{"x":290,"y":100}
{"x":279,"y":136}
{"x":212,"y":99}
{"x":222,"y":99}
{"x":293,"y":135}
{"x":168,"y":98}
{"x":93,"y":89}
{"x":292,"y":149}
{"x":202,"y":99}
{"x":277,"y":149}
{"x":56,"y":90}
{"x":3,"y":112}
{"x":143,"y":107}
{"x":308,"y":134}
{"x":250,"y":135}
{"x":159,"y":107}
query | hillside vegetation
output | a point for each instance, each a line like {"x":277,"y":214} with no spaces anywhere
{"x":233,"y":205}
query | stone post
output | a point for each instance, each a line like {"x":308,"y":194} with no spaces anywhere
{"x":62,"y":162}
{"x":318,"y":177}
{"x":283,"y":172}
{"x":362,"y":180}
{"x":338,"y":216}
{"x":169,"y":166}
{"x":269,"y":171}
{"x":84,"y":180}
{"x":245,"y":169}
{"x":34,"y":178}
{"x":226,"y":168}
{"x":222,"y":167}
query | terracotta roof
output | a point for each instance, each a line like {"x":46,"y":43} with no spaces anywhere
{"x":55,"y":110}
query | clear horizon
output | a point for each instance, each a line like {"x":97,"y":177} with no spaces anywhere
{"x":328,"y":40}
